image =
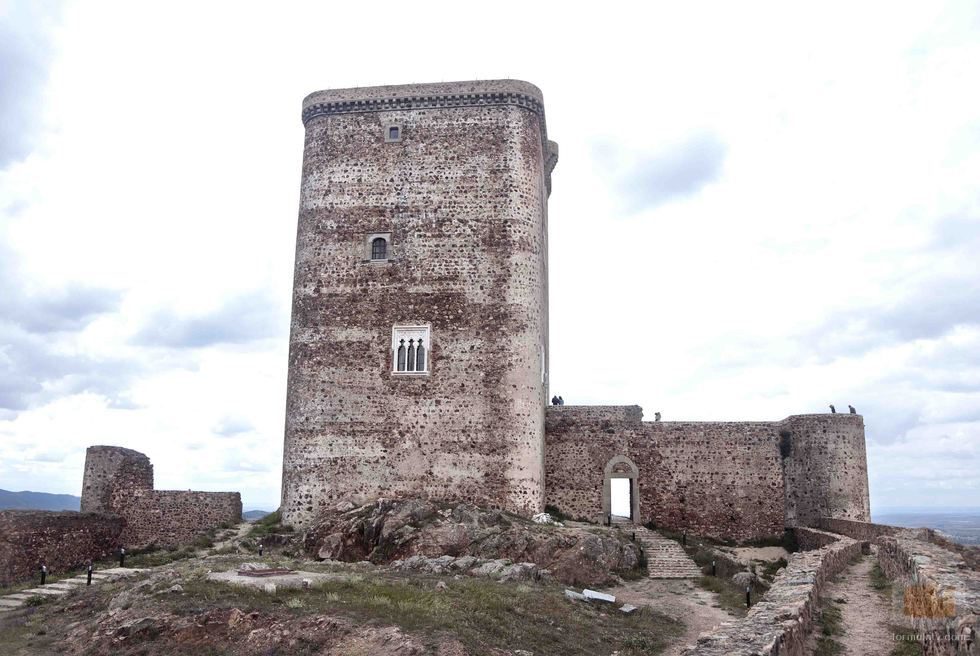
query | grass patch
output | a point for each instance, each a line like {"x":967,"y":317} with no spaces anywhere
{"x":36,"y":600}
{"x":480,"y":613}
{"x":731,"y":597}
{"x":269,"y":524}
{"x":768,"y":570}
{"x":158,"y":557}
{"x":829,"y":622}
{"x":906,"y":643}
{"x":878,"y":580}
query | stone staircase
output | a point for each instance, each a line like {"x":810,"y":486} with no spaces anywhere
{"x":64,"y":586}
{"x":666,"y":558}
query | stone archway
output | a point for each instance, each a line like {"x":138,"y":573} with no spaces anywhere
{"x":621,"y":467}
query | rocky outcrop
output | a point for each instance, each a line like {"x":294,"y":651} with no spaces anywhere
{"x":390,"y":530}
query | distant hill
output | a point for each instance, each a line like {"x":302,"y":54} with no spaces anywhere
{"x":38,"y":501}
{"x":254,"y":515}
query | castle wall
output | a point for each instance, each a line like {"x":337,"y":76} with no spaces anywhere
{"x":721,"y":480}
{"x":173,"y":517}
{"x":726,"y":480}
{"x":463,"y":194}
{"x":119,"y":481}
{"x":61,"y":540}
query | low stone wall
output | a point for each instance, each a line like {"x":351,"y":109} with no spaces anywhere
{"x":780,"y":622}
{"x":809,"y":539}
{"x":868,"y":531}
{"x":941,"y":598}
{"x":61,"y":540}
{"x":169,"y":518}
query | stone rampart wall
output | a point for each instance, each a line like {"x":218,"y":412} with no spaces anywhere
{"x":168,"y":518}
{"x":809,"y":539}
{"x":120,"y":481}
{"x":61,"y":540}
{"x":780,"y":622}
{"x":869,"y":531}
{"x":941,"y":597}
{"x":725,"y":480}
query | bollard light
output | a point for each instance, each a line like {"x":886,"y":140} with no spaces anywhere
{"x":44,"y":573}
{"x":88,"y":581}
{"x":714,"y":569}
{"x":122,"y":556}
{"x":748,"y":596}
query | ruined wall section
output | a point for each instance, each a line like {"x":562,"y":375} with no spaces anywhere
{"x":175,"y":517}
{"x":463,"y":194}
{"x":63,"y":541}
{"x":826,"y":468}
{"x":726,"y":480}
{"x":111,"y":471}
{"x":119,"y":481}
{"x":721,"y":480}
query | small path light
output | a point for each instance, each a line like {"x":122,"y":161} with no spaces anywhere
{"x":714,"y":569}
{"x":684,"y":539}
{"x":88,"y":580}
{"x":748,"y":596}
{"x":122,"y":556}
{"x":44,"y":573}
{"x":260,"y":548}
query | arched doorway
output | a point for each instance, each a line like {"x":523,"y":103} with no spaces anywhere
{"x":620,"y":479}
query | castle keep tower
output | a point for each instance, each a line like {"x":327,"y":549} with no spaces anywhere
{"x":418,"y":359}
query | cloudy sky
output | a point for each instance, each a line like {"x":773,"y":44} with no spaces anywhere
{"x":758,"y":211}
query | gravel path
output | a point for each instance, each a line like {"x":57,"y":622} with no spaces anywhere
{"x":680,"y":599}
{"x":865,"y":612}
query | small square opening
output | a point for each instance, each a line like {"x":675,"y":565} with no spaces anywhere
{"x":393,"y":133}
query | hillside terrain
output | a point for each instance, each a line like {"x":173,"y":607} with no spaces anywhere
{"x":26,"y":500}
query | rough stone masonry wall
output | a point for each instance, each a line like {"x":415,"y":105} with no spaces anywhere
{"x":111,"y":470}
{"x":120,"y":481}
{"x":720,"y":480}
{"x":725,"y":480}
{"x":779,"y":623}
{"x":941,"y":595}
{"x":826,"y":468}
{"x":167,"y":518}
{"x":463,"y":194}
{"x":61,"y":540}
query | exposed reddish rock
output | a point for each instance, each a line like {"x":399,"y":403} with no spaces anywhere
{"x":390,"y":530}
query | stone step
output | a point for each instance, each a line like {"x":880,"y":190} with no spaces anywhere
{"x":47,"y":590}
{"x":10,"y":603}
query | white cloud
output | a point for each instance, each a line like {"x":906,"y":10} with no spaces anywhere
{"x":821,"y":250}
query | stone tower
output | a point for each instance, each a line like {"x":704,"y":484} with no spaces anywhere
{"x":418,"y":359}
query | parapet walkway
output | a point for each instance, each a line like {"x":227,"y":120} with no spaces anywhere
{"x":666,"y":558}
{"x":64,"y":586}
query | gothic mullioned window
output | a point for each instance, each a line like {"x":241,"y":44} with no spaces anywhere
{"x":410,"y":349}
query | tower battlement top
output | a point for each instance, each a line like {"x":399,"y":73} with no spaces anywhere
{"x":419,"y":96}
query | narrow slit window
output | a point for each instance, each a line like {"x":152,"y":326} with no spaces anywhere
{"x":393,"y":133}
{"x":379,"y":248}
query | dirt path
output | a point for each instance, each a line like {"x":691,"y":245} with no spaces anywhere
{"x":865,"y":612}
{"x":240,"y":531}
{"x":696,"y":608}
